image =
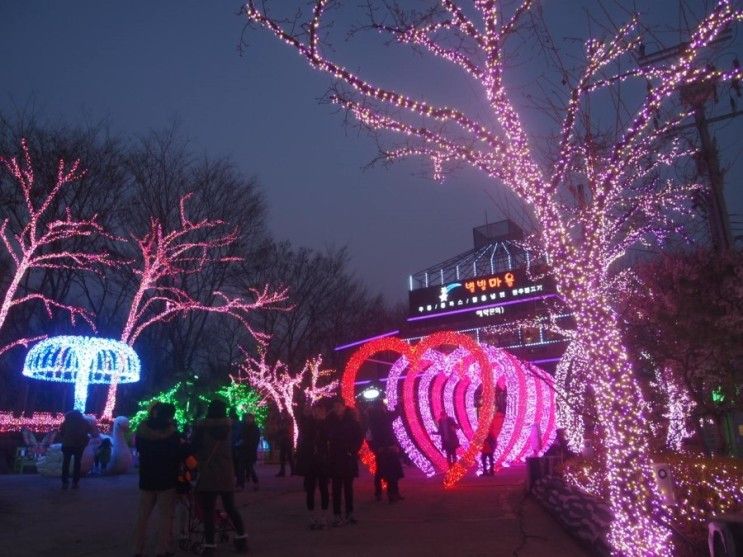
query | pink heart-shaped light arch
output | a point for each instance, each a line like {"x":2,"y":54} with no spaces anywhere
{"x":437,"y":382}
{"x":415,"y":356}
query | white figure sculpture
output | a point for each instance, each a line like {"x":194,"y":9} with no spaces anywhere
{"x":121,"y":454}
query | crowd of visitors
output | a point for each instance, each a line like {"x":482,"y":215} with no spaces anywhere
{"x":184,"y":474}
{"x":180,"y":476}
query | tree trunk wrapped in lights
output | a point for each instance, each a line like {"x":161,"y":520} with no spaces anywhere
{"x":628,"y":199}
{"x":39,"y":242}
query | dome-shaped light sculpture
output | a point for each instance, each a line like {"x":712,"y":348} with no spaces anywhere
{"x":82,"y":361}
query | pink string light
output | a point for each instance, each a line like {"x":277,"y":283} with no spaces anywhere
{"x":39,"y":242}
{"x":38,"y":422}
{"x":276,"y":382}
{"x":163,"y":257}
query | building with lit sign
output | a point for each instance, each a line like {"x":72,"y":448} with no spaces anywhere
{"x":485,"y":292}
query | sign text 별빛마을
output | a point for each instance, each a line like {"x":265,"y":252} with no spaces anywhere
{"x":474,"y":292}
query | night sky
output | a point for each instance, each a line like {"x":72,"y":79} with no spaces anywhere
{"x":142,"y":65}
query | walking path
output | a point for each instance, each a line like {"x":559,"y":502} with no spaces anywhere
{"x":480,"y":517}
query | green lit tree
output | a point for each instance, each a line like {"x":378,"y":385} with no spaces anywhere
{"x":190,"y":400}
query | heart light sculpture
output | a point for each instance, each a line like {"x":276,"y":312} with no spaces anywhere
{"x":439,"y":382}
{"x":415,"y":356}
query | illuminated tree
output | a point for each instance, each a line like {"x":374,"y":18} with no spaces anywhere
{"x":189,"y":400}
{"x":164,"y":259}
{"x":625,"y":194}
{"x":241,"y":400}
{"x":315,"y":391}
{"x":678,"y":408}
{"x":277,"y":383}
{"x":39,"y":242}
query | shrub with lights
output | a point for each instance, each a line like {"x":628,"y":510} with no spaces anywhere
{"x":703,"y":487}
{"x":190,"y":402}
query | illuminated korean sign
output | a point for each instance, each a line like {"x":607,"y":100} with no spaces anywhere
{"x":474,"y":293}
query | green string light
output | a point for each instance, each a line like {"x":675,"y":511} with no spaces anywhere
{"x":239,"y":398}
{"x":718,"y":397}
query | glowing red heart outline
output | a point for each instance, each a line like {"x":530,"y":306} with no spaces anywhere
{"x":414,"y":356}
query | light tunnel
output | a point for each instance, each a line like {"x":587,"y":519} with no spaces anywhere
{"x":448,"y":382}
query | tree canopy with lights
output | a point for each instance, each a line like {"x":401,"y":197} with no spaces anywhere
{"x":164,"y":258}
{"x":284,"y":387}
{"x":41,"y":239}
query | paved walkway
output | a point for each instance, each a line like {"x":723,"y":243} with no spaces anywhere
{"x":481,"y":517}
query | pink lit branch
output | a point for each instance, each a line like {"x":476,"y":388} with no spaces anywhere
{"x":277,"y":383}
{"x":316,"y":392}
{"x":620,"y":186}
{"x":163,"y":258}
{"x":39,"y":243}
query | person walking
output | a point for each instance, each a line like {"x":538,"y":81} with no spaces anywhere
{"x":216,"y":478}
{"x":251,"y":440}
{"x":102,"y":456}
{"x":383,"y":443}
{"x":75,"y":432}
{"x":284,"y":441}
{"x":238,"y":452}
{"x":160,"y":453}
{"x":245,"y":450}
{"x":486,"y":455}
{"x":449,"y":440}
{"x":345,"y":437}
{"x":312,"y":463}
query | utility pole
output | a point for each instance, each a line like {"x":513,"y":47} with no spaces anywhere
{"x":696,"y":96}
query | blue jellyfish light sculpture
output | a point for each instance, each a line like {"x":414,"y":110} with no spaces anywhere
{"x":82,"y":361}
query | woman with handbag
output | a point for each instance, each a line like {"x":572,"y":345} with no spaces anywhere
{"x":213,"y":448}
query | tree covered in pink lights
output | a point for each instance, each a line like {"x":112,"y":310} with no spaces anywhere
{"x":164,"y":259}
{"x":42,"y":240}
{"x":284,"y":387}
{"x":597,"y":195}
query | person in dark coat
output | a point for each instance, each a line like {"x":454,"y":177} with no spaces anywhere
{"x":245,"y":439}
{"x":213,"y":448}
{"x":345,"y":437}
{"x":312,"y":463}
{"x":75,"y":432}
{"x":252,"y":438}
{"x":490,"y":444}
{"x":284,"y":436}
{"x":383,"y":443}
{"x":449,"y":440}
{"x":103,"y":455}
{"x":238,"y":454}
{"x":160,"y":452}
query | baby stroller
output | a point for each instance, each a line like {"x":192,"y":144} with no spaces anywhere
{"x":190,"y":516}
